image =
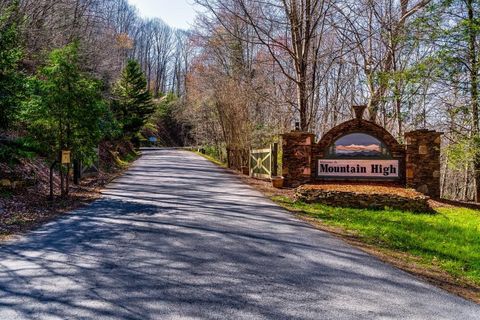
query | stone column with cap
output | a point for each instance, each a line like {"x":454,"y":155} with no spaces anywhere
{"x":423,"y":161}
{"x":297,"y":158}
{"x":359,"y":111}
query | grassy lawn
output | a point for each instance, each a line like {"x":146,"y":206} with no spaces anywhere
{"x":449,"y":239}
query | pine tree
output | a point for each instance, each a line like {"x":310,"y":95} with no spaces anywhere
{"x":132,"y":102}
{"x":65,"y":109}
{"x":11,"y":79}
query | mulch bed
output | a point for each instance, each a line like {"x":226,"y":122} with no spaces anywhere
{"x":377,"y":197}
{"x":266,"y":188}
{"x":366,"y":189}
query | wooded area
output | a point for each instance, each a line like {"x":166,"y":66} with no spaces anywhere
{"x":76,"y":75}
{"x":247,"y":72}
{"x":414,"y":63}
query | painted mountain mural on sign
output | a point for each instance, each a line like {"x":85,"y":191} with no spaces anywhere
{"x":358,"y":148}
{"x":358,"y":145}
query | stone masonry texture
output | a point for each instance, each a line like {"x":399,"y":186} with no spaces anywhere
{"x":419,"y":159}
{"x":423,"y":161}
{"x":297,"y":158}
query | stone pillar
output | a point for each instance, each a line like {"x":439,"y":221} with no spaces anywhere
{"x":423,"y":161}
{"x":297,"y":157}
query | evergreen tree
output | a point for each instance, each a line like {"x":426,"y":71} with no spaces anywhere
{"x":66,"y":109}
{"x":132,"y":102}
{"x":11,"y":79}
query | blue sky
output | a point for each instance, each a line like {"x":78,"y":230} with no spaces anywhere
{"x":177,"y":13}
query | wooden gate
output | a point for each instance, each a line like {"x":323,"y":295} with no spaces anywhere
{"x":263,"y":162}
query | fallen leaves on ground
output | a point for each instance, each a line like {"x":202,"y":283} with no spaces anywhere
{"x":28,"y":207}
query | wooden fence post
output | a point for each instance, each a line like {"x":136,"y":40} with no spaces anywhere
{"x":274,"y":159}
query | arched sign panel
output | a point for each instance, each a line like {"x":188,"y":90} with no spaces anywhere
{"x":358,"y":155}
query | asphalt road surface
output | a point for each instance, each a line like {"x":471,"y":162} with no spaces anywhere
{"x":179,"y":238}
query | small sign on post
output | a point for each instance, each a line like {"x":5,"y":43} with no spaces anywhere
{"x":65,"y":159}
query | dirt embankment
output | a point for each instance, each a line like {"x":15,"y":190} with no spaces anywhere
{"x":25,"y":189}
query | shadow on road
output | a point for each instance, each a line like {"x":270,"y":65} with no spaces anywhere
{"x":177,"y":237}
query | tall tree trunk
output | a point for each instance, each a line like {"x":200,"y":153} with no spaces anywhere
{"x":443,"y":184}
{"x":399,"y":118}
{"x":302,"y":105}
{"x":466,"y":182}
{"x":472,"y":46}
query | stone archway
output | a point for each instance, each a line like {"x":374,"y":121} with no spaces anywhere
{"x":417,"y":163}
{"x":359,"y":125}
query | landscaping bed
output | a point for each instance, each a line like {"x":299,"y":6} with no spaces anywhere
{"x":364,"y":196}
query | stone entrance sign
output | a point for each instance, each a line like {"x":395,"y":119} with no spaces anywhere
{"x":359,"y":149}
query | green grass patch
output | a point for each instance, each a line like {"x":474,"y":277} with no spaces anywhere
{"x":125,"y":161}
{"x":449,"y":239}
{"x":129,"y":158}
{"x":212,"y":159}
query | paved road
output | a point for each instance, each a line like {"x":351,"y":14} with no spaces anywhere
{"x":178,"y":238}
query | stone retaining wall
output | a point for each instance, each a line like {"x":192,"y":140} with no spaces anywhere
{"x":363,"y":200}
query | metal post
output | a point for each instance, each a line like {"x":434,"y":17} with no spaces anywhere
{"x":67,"y":180}
{"x":77,"y":173}
{"x":62,"y":189}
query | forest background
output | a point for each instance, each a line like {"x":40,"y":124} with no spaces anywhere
{"x":79,"y":74}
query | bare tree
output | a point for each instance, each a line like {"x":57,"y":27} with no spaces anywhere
{"x":292,"y":33}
